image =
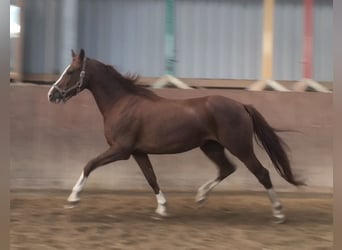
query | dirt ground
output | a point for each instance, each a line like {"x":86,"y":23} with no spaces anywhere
{"x":111,"y":221}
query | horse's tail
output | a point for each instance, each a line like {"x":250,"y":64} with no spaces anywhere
{"x":273,"y":145}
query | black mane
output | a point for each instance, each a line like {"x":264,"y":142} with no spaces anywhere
{"x":129,"y":82}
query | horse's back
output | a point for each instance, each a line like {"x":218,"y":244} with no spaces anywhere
{"x":172,"y":126}
{"x":219,"y":108}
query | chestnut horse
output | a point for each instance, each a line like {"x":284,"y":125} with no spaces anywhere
{"x":138,"y":122}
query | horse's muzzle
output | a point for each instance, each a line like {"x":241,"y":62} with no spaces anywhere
{"x":54,"y":96}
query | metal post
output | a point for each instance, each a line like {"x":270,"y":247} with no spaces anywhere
{"x":307,"y":53}
{"x":267,"y":41}
{"x":170,"y":50}
{"x":267,"y":51}
{"x":170,"y":38}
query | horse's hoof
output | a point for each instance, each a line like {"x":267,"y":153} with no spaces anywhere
{"x":162,"y":214}
{"x":161,"y":211}
{"x":279,"y":219}
{"x":200,"y":202}
{"x":157,"y":217}
{"x":71,"y":205}
{"x":73,"y":198}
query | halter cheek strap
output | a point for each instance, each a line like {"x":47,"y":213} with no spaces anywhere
{"x":78,"y":85}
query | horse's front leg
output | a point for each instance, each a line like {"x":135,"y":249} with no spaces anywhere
{"x":114,"y":153}
{"x":146,"y":167}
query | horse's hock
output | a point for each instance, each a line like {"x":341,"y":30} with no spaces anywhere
{"x":50,"y":144}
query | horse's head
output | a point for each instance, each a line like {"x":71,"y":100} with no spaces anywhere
{"x":71,"y":81}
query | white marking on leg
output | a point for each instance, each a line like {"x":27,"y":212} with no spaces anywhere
{"x":161,"y":209}
{"x":160,"y":198}
{"x":276,"y":205}
{"x":205,"y":189}
{"x":273,"y":197}
{"x":73,"y":197}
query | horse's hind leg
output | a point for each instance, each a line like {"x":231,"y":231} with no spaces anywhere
{"x":236,"y":134}
{"x":215,"y":152}
{"x":263,"y":177}
{"x":146,"y":167}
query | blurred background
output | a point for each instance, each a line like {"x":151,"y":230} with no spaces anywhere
{"x":219,"y":39}
{"x":282,"y":48}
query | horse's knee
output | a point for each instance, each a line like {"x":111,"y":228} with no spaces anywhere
{"x":105,"y":159}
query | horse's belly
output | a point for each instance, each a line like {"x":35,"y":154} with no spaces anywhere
{"x":173,"y":142}
{"x":174,"y":130}
{"x":166,"y":149}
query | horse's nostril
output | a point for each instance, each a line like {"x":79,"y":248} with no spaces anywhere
{"x":51,"y":95}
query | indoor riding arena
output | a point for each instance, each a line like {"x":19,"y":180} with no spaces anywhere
{"x":275,"y":55}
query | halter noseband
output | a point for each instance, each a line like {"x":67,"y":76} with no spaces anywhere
{"x":78,"y":85}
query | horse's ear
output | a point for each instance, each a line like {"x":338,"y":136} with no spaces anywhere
{"x":73,"y":54}
{"x":82,"y":53}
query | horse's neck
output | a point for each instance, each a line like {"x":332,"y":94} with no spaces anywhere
{"x":106,"y":93}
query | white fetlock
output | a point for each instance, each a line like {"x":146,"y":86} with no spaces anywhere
{"x":73,"y":197}
{"x":202,"y":192}
{"x":277,"y":208}
{"x":279,"y":216}
{"x":161,"y":210}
